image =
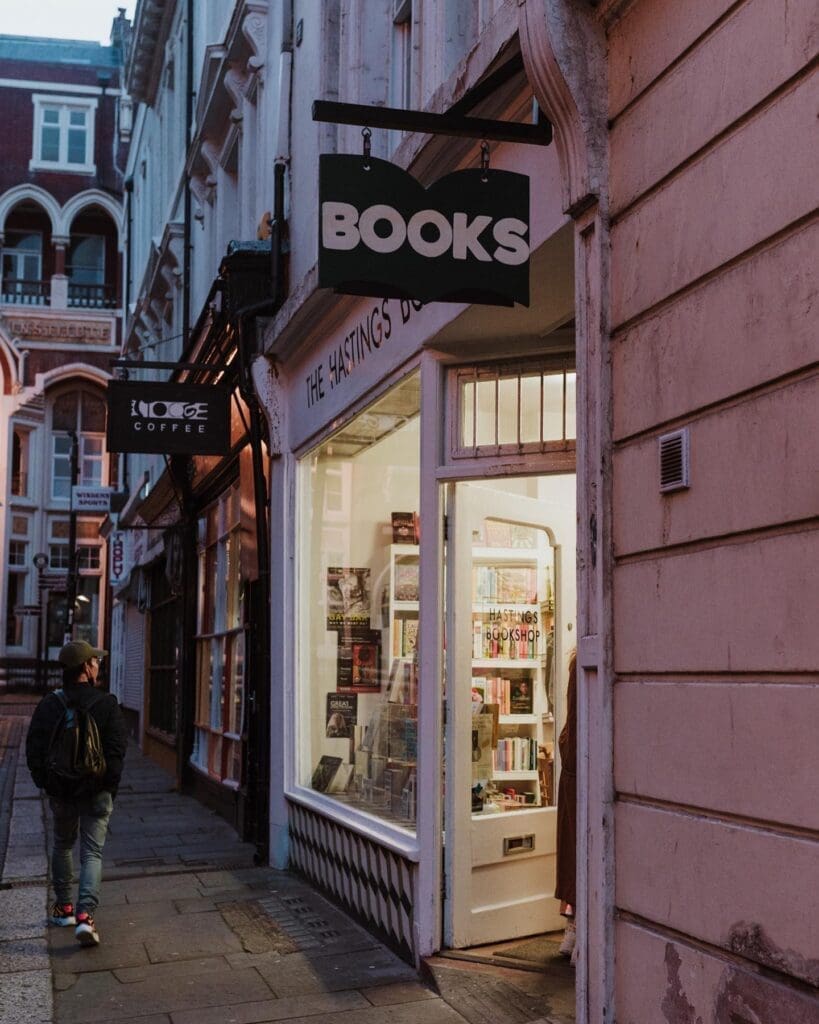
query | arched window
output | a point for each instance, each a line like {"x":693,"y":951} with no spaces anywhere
{"x":82,"y":412}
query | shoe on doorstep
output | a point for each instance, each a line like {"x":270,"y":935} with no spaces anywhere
{"x":62,"y":914}
{"x":569,"y":938}
{"x":86,"y":932}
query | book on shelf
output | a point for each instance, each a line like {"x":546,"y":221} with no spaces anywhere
{"x":520,"y":697}
{"x":406,"y":579}
{"x":342,"y":777}
{"x":515,"y":754}
{"x":409,"y":642}
{"x":404,"y":527}
{"x":397,"y":715}
{"x":482,"y":730}
{"x":324,"y":772}
{"x":403,"y":682}
{"x":342,"y":713}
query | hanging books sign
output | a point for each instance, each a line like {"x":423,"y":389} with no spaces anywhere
{"x":463,"y":239}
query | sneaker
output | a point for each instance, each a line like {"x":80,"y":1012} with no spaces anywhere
{"x":86,"y":933}
{"x":62,"y":914}
{"x":569,"y":939}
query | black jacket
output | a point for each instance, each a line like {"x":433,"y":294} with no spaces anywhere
{"x":106,"y":713}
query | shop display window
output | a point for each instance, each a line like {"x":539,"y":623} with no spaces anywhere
{"x":220,"y":643}
{"x":358,"y":610}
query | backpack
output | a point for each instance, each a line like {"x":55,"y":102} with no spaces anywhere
{"x":75,"y":763}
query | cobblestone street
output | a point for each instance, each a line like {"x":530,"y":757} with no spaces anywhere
{"x":193,"y":933}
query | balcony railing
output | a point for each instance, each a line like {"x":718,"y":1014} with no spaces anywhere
{"x":25,"y":293}
{"x":92,"y":296}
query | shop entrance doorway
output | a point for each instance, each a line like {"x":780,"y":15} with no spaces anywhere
{"x":510,"y":627}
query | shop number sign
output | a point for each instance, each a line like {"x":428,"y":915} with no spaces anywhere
{"x":463,"y":239}
{"x":168,"y":418}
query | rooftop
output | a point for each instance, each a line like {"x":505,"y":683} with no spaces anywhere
{"x":58,"y":51}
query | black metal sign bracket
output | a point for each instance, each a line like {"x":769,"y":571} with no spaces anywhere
{"x":138,"y":364}
{"x":453,"y":124}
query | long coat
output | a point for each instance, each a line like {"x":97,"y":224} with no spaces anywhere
{"x":566,"y":887}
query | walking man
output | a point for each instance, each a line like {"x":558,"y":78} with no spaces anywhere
{"x":87,"y":810}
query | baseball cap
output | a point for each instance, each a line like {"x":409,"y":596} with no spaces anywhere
{"x":77,"y":652}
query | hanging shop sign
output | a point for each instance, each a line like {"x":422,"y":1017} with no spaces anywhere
{"x":116,"y":556}
{"x":91,"y":499}
{"x":168,"y":418}
{"x":463,"y":239}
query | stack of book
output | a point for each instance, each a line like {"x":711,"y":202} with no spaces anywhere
{"x":519,"y":753}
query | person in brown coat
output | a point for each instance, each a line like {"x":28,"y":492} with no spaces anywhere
{"x":566,"y":886}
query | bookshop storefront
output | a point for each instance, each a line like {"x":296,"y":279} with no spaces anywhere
{"x":426,"y":533}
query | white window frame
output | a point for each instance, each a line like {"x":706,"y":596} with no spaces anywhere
{"x":65,"y":105}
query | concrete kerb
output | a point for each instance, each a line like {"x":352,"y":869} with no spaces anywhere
{"x":26,"y":995}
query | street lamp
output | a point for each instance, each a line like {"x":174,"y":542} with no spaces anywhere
{"x":40,"y":564}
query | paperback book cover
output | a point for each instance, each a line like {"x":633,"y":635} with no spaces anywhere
{"x":342,"y":713}
{"x":348,"y":600}
{"x":406,"y":580}
{"x":324,"y":772}
{"x":520,"y":697}
{"x":365,"y":661}
{"x":404,"y":528}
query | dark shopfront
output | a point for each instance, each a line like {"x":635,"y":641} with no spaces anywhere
{"x":205,"y":658}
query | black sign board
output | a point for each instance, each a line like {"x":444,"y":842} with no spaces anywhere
{"x":169,"y":419}
{"x":464,"y":239}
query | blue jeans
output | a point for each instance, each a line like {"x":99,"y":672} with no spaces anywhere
{"x":88,"y":816}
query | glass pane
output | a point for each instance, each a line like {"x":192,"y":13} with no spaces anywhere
{"x":486,"y":409}
{"x":76,"y":117}
{"x":508,"y":410}
{"x":15,"y":595}
{"x":50,"y":144}
{"x":76,"y":146}
{"x":359,"y":610}
{"x":58,"y":556}
{"x":86,"y":609}
{"x":571,"y":405}
{"x":467,"y":411}
{"x":553,"y":407}
{"x":217,"y":655}
{"x":51,"y":115}
{"x":512,"y":736}
{"x":91,"y":472}
{"x":238,"y":683}
{"x":93,"y":419}
{"x":64,"y":415}
{"x":530,"y":408}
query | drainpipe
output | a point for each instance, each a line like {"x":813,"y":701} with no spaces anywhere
{"x":186,"y":620}
{"x":259,"y":697}
{"x":128,"y":186}
{"x":186,"y":240}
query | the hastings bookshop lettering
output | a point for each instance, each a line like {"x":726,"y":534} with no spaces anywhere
{"x":169,"y":419}
{"x":463,"y":239}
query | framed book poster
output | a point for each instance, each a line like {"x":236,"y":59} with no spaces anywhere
{"x":364,"y":666}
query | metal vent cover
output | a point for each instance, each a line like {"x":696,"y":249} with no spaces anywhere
{"x":674,"y":461}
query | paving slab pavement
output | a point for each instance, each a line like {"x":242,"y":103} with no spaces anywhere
{"x":214,"y":941}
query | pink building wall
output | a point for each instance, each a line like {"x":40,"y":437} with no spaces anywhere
{"x":713,"y":191}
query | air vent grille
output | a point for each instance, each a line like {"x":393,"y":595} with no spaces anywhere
{"x":674,"y":461}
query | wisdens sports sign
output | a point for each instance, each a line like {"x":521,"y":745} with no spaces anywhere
{"x":464,"y":239}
